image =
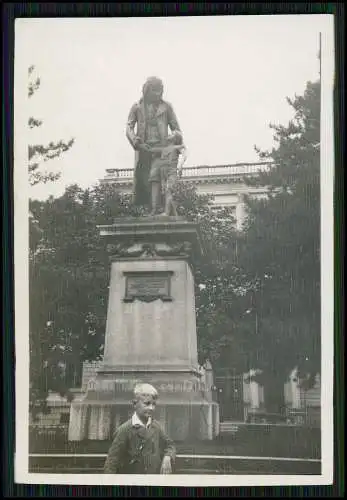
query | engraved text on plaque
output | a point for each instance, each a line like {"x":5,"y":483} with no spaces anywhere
{"x":147,"y":286}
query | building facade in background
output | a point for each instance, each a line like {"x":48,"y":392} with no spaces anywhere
{"x":224,"y":182}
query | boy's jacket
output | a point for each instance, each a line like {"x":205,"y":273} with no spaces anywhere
{"x":138,"y":450}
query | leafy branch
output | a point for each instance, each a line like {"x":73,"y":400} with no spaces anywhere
{"x":38,"y":153}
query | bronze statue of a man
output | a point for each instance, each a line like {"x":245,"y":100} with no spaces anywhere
{"x":153,"y":117}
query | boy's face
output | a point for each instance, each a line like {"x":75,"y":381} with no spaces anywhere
{"x":145,"y":406}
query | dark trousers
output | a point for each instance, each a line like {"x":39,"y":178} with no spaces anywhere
{"x":142,"y":186}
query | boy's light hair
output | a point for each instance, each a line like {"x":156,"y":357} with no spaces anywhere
{"x":145,"y":390}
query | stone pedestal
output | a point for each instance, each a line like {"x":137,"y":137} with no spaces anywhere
{"x":150,"y":332}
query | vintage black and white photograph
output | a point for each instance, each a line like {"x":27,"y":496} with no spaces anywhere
{"x":173,"y":183}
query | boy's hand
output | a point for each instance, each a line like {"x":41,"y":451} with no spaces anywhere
{"x":166,"y":466}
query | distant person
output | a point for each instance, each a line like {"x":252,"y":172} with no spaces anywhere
{"x":140,"y":446}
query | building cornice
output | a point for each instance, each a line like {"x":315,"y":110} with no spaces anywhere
{"x":216,"y":174}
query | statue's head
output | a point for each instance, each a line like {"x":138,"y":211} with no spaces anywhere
{"x":153,"y":89}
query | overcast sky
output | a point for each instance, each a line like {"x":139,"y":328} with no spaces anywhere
{"x":227,"y":78}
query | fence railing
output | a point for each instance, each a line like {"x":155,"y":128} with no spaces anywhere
{"x":88,"y":463}
{"x":237,"y":169}
{"x":250,"y":439}
{"x":307,"y":416}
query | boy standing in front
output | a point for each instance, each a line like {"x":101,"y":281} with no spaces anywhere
{"x":140,"y":446}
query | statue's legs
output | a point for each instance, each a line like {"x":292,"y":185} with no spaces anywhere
{"x":142,"y":191}
{"x":156,"y":192}
{"x":169,"y":175}
{"x":155,"y":182}
{"x":170,"y":205}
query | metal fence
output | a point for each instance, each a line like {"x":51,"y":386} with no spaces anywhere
{"x":185,"y":464}
{"x":291,"y":441}
{"x":230,"y":170}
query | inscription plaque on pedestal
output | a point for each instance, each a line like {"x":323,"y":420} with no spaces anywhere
{"x":148,"y":286}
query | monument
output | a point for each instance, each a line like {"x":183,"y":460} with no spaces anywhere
{"x":151,"y":326}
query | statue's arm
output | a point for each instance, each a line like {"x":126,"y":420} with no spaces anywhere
{"x":172,"y":119}
{"x":182,"y":158}
{"x":130,"y":127}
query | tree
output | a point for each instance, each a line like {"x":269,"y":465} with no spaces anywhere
{"x":280,"y":253}
{"x":68,"y":286}
{"x":218,"y":294}
{"x":38,"y":153}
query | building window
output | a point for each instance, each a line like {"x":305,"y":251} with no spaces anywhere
{"x":64,"y":418}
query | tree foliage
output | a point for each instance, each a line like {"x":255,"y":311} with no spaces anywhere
{"x":38,"y":153}
{"x":280,"y":249}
